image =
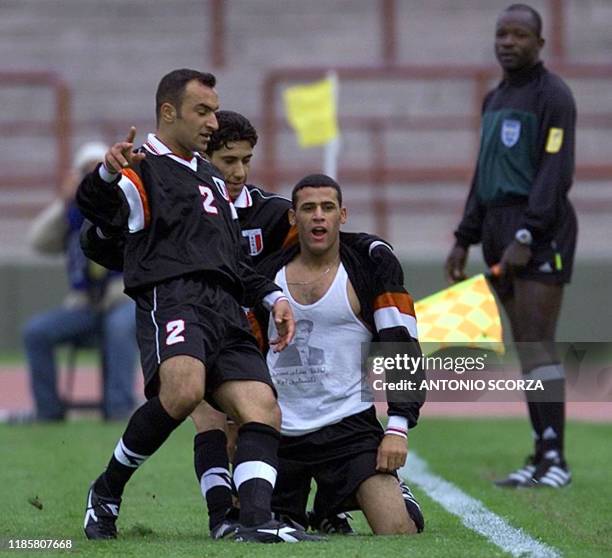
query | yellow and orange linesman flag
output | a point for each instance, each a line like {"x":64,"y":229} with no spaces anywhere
{"x":312,"y":112}
{"x":465,"y":314}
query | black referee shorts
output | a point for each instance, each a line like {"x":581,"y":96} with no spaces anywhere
{"x":338,"y":457}
{"x":189,"y":316}
{"x":553,"y":259}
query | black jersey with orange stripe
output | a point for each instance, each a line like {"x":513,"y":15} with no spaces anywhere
{"x":263,"y":218}
{"x":387,"y":308}
{"x":265,"y":229}
{"x":176,"y":218}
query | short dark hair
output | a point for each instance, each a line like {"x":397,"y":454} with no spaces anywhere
{"x":537,"y":18}
{"x":316,"y":181}
{"x":171,"y":88}
{"x":232,"y":127}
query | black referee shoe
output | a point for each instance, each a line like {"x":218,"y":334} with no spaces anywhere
{"x":521,"y":478}
{"x":273,"y":531}
{"x":100,"y":516}
{"x":551,"y":472}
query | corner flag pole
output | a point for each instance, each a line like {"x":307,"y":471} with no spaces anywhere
{"x":331,"y":152}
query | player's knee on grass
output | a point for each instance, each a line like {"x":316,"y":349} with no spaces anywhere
{"x":249,"y":401}
{"x":381,"y":501}
{"x":181,"y":385}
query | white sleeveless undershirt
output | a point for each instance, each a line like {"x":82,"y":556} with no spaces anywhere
{"x":318,"y":376}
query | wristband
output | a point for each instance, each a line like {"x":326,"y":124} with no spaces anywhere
{"x":272,"y":298}
{"x":397,"y":426}
{"x":107,"y":175}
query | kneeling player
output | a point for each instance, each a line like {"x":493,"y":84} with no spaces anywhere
{"x":329,"y":432}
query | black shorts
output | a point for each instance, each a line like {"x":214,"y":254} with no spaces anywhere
{"x":338,"y":457}
{"x":553,"y":259}
{"x":189,"y":316}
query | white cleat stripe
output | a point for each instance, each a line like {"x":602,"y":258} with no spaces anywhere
{"x":281,"y":533}
{"x":555,"y":478}
{"x":549,"y":482}
{"x":559,"y":471}
{"x":89,"y":512}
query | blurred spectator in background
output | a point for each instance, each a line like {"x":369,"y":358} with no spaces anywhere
{"x":95,"y":311}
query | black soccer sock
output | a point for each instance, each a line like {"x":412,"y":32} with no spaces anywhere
{"x":147,"y":430}
{"x":554,"y":427}
{"x":212,"y":471}
{"x":255,"y":471}
{"x":536,"y":425}
{"x":550,"y":407}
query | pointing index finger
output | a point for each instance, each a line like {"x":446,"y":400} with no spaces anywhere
{"x":131,"y":135}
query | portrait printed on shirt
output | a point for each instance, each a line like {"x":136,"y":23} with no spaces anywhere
{"x":300,"y":353}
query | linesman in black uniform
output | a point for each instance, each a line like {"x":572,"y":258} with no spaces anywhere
{"x":518,"y":208}
{"x":185,"y":268}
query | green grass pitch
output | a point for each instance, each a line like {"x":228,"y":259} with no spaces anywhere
{"x":163,"y":513}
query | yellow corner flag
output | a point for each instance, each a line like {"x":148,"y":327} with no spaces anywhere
{"x":311,"y":112}
{"x":464,"y":314}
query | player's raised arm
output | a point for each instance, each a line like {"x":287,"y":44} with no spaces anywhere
{"x":116,"y":202}
{"x":122,"y":155}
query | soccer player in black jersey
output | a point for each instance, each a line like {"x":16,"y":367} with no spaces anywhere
{"x":329,"y":428}
{"x":518,"y":208}
{"x":265,"y":225}
{"x":185,"y":269}
{"x":265,"y":229}
{"x":263,"y":215}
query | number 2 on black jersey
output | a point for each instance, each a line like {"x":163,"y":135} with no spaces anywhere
{"x":209,"y":200}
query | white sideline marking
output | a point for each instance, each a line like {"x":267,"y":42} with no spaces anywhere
{"x":472,"y":512}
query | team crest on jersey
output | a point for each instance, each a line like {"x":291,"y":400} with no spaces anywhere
{"x":255,"y":238}
{"x":510,"y":132}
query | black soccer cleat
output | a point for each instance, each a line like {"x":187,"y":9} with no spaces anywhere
{"x":273,"y":531}
{"x":333,"y":525}
{"x":551,"y":472}
{"x":521,"y":478}
{"x":413,"y":507}
{"x":100,"y":516}
{"x":226,"y":528}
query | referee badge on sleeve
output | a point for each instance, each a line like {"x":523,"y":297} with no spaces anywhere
{"x":555,"y":140}
{"x":510,"y":132}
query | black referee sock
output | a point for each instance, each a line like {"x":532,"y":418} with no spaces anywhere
{"x":536,"y":424}
{"x":147,"y":430}
{"x":255,"y":471}
{"x":552,"y":416}
{"x":548,"y":408}
{"x":212,"y":471}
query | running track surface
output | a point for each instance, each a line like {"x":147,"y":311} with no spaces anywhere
{"x":15,"y":395}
